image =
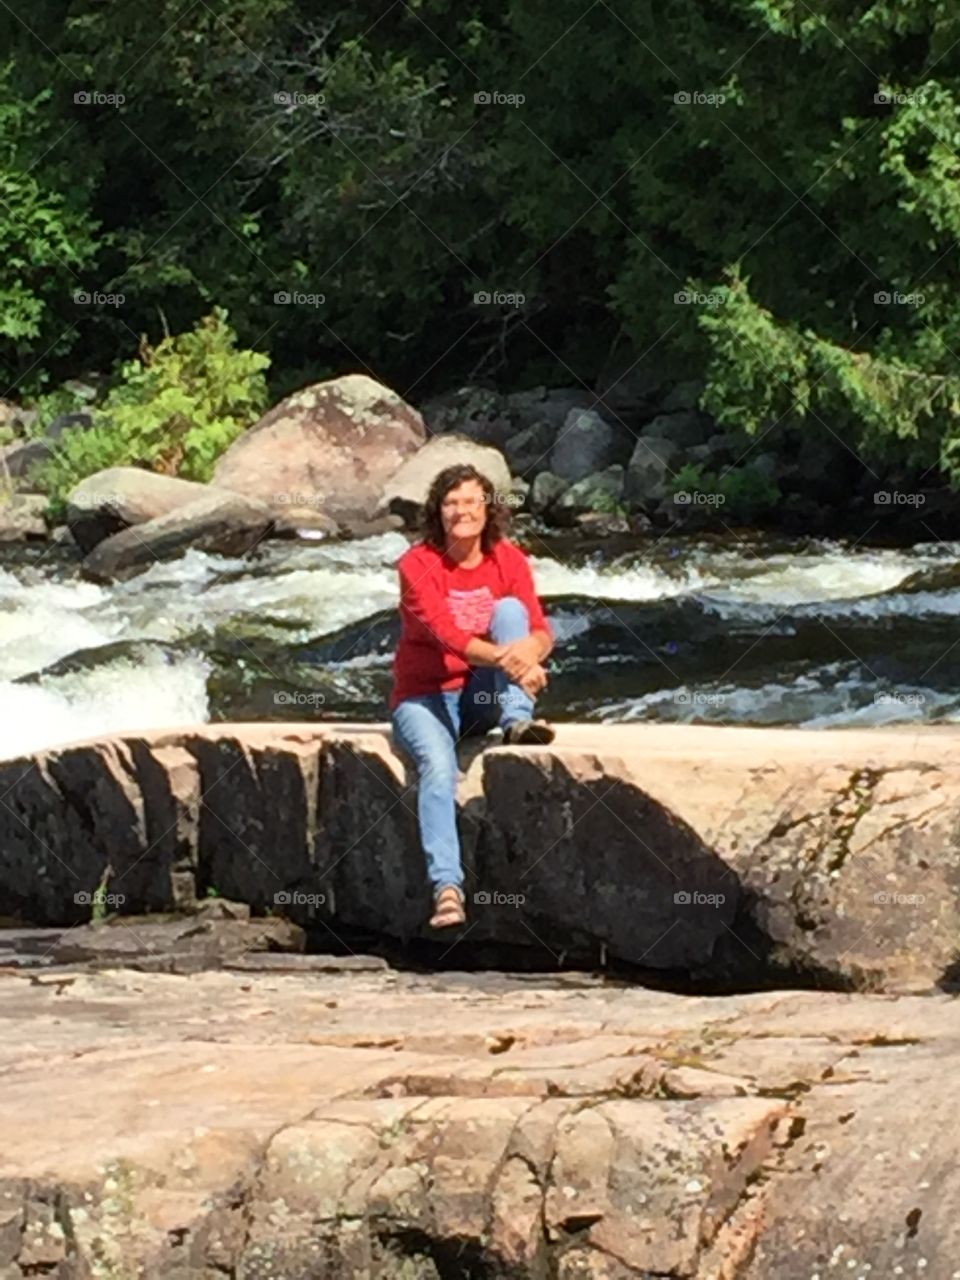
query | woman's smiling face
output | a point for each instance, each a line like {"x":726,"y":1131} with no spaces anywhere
{"x":464,"y":511}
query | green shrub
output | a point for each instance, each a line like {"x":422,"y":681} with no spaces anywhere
{"x":747,"y":493}
{"x":692,"y":476}
{"x":174,"y":410}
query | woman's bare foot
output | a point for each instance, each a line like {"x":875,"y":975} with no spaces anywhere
{"x":448,"y":908}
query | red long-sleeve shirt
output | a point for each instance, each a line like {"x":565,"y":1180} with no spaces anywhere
{"x":444,"y":606}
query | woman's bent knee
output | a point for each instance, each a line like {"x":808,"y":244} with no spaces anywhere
{"x":509,"y":607}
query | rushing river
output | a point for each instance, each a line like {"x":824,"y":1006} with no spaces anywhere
{"x":750,"y":631}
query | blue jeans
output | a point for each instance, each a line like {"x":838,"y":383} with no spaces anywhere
{"x":427,"y":727}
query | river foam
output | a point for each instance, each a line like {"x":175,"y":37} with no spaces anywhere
{"x":156,"y":692}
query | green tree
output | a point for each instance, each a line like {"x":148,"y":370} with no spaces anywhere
{"x":44,"y":241}
{"x":801,"y":159}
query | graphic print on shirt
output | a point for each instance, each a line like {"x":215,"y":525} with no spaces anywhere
{"x":472,"y":610}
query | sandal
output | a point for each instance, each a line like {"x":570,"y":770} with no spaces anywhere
{"x":448,"y":908}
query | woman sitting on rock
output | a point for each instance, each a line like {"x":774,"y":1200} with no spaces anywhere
{"x":472,"y":644}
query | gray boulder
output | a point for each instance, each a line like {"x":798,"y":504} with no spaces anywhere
{"x":8,"y":413}
{"x":178,"y":945}
{"x":587,"y":444}
{"x":489,"y":417}
{"x":357,"y":528}
{"x":82,"y":389}
{"x":306,"y":525}
{"x":528,"y":452}
{"x":598,"y":492}
{"x":406,"y":490}
{"x":61,"y":536}
{"x":701,"y":454}
{"x":120,"y":497}
{"x":598,"y":524}
{"x":477,"y":413}
{"x":547,"y":405}
{"x":17,"y":460}
{"x":650,"y":472}
{"x":544,"y":492}
{"x":21,"y":516}
{"x":15,"y":417}
{"x":223,"y":523}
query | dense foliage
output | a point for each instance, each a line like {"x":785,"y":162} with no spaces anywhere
{"x":173,"y":409}
{"x":761,"y":192}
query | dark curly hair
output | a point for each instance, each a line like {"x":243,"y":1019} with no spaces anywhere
{"x":498,"y":511}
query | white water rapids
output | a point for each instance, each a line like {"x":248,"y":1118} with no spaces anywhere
{"x":295,"y":593}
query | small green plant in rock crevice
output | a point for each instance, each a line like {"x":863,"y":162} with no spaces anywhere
{"x":98,"y":911}
{"x":608,"y":505}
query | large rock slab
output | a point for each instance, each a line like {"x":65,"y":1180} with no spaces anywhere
{"x":217,"y":521}
{"x":733,"y":857}
{"x":120,"y":497}
{"x":202,"y":939}
{"x":386,"y":1125}
{"x":328,"y":448}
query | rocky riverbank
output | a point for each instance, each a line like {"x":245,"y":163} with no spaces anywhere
{"x":381,"y":1126}
{"x":347,"y":457}
{"x":718,"y":857}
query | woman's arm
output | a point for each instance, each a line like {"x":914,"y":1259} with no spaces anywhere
{"x":482,"y":653}
{"x":522,"y":586}
{"x":518,"y":656}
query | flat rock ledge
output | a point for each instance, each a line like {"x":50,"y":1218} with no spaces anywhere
{"x":382,"y":1126}
{"x":734,"y":857}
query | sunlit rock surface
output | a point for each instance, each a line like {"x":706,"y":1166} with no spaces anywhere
{"x":379,"y":1125}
